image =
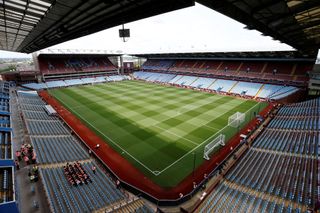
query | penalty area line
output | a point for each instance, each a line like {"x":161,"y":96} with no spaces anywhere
{"x":201,"y":143}
{"x":172,"y":133}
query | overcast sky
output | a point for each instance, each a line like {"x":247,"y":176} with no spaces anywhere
{"x":194,"y":29}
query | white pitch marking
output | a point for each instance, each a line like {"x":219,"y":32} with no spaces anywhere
{"x":172,"y":133}
{"x":201,"y":143}
{"x":156,"y":173}
{"x":123,"y":150}
{"x":210,"y":127}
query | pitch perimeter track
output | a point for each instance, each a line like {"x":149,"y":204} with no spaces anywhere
{"x":125,"y":171}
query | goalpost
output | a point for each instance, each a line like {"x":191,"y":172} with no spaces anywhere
{"x":213,"y":144}
{"x":236,"y":119}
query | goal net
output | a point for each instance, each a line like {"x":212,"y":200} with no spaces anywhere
{"x":236,"y":119}
{"x":213,"y":144}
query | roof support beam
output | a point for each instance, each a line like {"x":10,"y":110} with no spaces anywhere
{"x":19,"y":10}
{"x":23,"y":16}
{"x":262,"y":6}
{"x":294,"y":10}
{"x":15,"y":20}
{"x":14,"y":28}
{"x":300,"y":27}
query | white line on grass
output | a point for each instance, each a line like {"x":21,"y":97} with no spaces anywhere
{"x":156,"y":173}
{"x":210,"y":127}
{"x":153,"y":172}
{"x":172,"y":133}
{"x":202,"y":143}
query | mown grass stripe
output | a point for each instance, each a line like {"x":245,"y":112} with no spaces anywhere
{"x":156,"y":125}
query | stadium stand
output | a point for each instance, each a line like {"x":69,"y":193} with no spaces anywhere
{"x":211,"y":66}
{"x":36,"y":86}
{"x":53,"y":84}
{"x":57,"y":64}
{"x":249,"y":89}
{"x":157,"y":64}
{"x":221,"y":85}
{"x":46,"y":128}
{"x":117,"y":78}
{"x":156,"y":77}
{"x":59,"y":149}
{"x":246,"y":88}
{"x":100,"y":80}
{"x":250,"y":70}
{"x":279,"y":172}
{"x":101,"y":192}
{"x":186,"y":80}
{"x":269,"y":90}
{"x":285,"y":91}
{"x":88,"y":80}
{"x":202,"y":83}
{"x":186,"y":65}
{"x":251,"y":67}
{"x":135,"y":205}
{"x":34,"y":115}
{"x":75,"y":82}
{"x":55,"y":146}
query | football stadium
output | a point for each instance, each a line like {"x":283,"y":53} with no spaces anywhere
{"x":196,"y":131}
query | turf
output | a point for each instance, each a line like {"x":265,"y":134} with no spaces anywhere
{"x":160,"y":130}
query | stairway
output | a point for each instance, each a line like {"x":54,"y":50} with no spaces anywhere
{"x":233,"y":86}
{"x":259,"y":91}
{"x":264,"y":67}
{"x":293,"y":70}
{"x":219,"y":66}
{"x":193,"y":81}
{"x":178,"y":79}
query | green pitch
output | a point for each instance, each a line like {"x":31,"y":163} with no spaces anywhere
{"x":160,"y":130}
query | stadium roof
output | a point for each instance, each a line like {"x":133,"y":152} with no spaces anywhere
{"x":31,"y":25}
{"x":78,"y":52}
{"x":294,"y":22}
{"x":265,"y":55}
{"x":83,"y":55}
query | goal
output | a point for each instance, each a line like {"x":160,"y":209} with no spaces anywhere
{"x":213,"y":144}
{"x":236,"y":119}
